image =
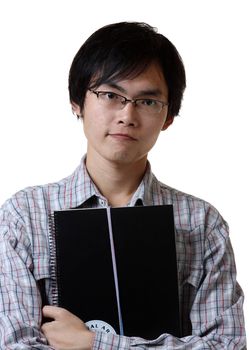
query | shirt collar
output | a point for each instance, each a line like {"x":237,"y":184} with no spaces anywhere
{"x":149,"y":190}
{"x":80,"y":188}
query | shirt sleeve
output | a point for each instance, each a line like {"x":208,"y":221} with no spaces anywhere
{"x":217,"y":311}
{"x":20,"y":300}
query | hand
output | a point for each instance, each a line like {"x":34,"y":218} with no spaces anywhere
{"x":67,"y":331}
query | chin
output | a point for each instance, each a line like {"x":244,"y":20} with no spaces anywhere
{"x":123,"y":157}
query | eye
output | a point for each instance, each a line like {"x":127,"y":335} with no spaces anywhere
{"x":149,"y":102}
{"x":110,"y":95}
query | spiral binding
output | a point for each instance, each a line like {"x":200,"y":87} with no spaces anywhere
{"x":53,"y":267}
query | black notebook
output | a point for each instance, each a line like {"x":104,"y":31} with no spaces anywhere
{"x":116,"y":268}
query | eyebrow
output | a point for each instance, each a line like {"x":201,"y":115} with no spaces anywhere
{"x":147,"y":92}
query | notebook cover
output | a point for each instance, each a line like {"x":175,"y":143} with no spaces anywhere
{"x":144,"y":240}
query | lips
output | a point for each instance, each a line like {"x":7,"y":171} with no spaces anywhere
{"x":122,"y":136}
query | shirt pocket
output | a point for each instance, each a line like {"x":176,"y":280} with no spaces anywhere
{"x":189,"y":247}
{"x":192,"y":275}
{"x":42,"y":267}
{"x":190,"y":280}
{"x":189,"y":275}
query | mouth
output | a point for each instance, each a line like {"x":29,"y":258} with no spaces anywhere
{"x":122,"y":137}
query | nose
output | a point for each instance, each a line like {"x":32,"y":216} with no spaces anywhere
{"x":128,"y":115}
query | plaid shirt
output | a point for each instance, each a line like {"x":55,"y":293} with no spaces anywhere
{"x":211,"y":301}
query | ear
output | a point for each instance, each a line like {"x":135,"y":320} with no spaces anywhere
{"x":169,"y":120}
{"x":76,"y":109}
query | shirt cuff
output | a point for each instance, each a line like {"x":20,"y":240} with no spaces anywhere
{"x":103,"y":341}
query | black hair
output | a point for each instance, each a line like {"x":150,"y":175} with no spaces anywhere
{"x":121,"y":51}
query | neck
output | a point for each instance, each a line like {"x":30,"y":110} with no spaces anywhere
{"x":116,"y":182}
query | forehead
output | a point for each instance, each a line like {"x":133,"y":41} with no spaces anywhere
{"x":151,"y":79}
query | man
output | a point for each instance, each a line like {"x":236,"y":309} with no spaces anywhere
{"x":126,"y":84}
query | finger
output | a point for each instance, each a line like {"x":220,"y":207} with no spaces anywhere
{"x":53,"y":312}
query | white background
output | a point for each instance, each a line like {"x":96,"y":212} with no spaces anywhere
{"x":205,"y":152}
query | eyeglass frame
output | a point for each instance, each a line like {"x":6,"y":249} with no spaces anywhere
{"x":127,"y":100}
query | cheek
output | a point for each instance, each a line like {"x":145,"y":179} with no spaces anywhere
{"x":153,"y":130}
{"x":94,"y":124}
{"x":95,"y":115}
{"x":152,"y":133}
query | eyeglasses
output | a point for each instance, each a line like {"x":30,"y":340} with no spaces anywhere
{"x":115,"y":101}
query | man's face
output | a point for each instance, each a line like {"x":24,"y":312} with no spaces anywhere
{"x":125,"y":135}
